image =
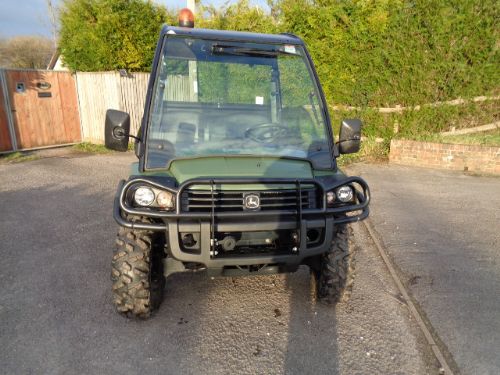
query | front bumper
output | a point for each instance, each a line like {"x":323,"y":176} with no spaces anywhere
{"x":209,"y":224}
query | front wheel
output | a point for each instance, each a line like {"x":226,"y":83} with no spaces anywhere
{"x":137,"y":272}
{"x":334,"y":273}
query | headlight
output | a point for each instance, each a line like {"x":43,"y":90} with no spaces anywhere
{"x":165,"y":200}
{"x":144,"y":196}
{"x":345,"y":194}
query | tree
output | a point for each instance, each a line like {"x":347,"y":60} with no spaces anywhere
{"x":26,"y":52}
{"x":239,"y":16}
{"x":98,"y":35}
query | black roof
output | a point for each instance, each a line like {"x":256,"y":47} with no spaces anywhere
{"x":232,"y":35}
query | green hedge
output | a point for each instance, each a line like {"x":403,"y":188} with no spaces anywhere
{"x":100,"y":35}
{"x":381,"y":53}
{"x":368,"y":53}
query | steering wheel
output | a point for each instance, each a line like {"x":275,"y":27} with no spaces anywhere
{"x":266,"y":133}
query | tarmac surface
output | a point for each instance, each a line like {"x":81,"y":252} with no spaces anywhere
{"x":56,"y":314}
{"x":442,"y":229}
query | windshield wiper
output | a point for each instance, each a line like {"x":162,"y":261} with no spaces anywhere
{"x":218,"y":49}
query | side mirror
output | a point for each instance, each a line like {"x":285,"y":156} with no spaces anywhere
{"x":350,"y":136}
{"x":117,"y":130}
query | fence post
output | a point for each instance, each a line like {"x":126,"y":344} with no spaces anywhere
{"x":77,"y":88}
{"x":8,"y":110}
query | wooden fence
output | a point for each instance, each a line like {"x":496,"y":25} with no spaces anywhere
{"x":98,"y":92}
{"x":53,"y":108}
{"x":178,"y":89}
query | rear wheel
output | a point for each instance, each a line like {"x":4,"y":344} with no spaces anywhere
{"x":137,"y":271}
{"x":334,"y":272}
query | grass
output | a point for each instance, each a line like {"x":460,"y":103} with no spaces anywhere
{"x":94,"y":148}
{"x":491,"y":138}
{"x":17,"y":157}
{"x":371,"y":151}
{"x":91,"y":148}
{"x":85,"y":147}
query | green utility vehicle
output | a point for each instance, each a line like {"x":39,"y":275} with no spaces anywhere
{"x":237,"y":169}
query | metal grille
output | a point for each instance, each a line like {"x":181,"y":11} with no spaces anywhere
{"x":233,"y":200}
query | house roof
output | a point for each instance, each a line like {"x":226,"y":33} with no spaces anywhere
{"x":53,"y":60}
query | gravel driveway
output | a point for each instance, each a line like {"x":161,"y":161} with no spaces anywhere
{"x":56,"y":315}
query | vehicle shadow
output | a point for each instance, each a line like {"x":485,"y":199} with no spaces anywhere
{"x":262,"y":324}
{"x":232,"y":325}
{"x":312,"y":346}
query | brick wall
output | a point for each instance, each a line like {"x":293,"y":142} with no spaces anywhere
{"x":446,"y":156}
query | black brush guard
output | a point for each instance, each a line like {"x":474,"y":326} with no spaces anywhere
{"x":207,"y":224}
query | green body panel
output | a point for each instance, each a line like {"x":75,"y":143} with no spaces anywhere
{"x":134,"y":170}
{"x":265,"y":167}
{"x":338,"y":173}
{"x":237,"y":166}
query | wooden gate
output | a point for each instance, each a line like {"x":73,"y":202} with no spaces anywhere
{"x":44,"y":108}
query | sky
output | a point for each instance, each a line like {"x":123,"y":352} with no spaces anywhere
{"x":30,"y":17}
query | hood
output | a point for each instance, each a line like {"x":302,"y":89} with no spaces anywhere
{"x":263,"y":167}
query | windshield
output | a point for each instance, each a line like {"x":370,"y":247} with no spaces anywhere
{"x":215,"y":98}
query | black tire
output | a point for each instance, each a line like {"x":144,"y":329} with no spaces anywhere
{"x":335,"y":269}
{"x":137,"y":271}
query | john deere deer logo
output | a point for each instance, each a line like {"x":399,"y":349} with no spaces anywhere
{"x":252,"y":201}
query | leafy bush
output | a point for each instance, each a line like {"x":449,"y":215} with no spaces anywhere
{"x":391,"y":52}
{"x":101,"y":35}
{"x":367,"y":53}
{"x":382,"y":53}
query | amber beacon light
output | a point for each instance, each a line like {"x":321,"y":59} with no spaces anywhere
{"x":186,"y":18}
